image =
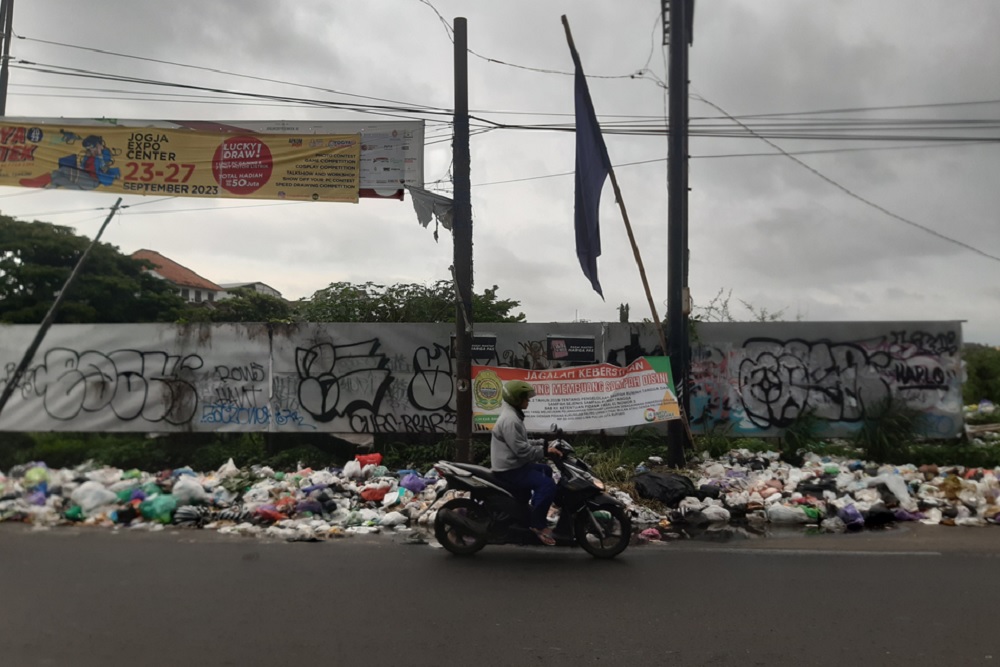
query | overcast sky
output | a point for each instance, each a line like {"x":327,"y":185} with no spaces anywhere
{"x":855,"y":236}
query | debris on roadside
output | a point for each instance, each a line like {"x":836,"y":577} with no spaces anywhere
{"x":743,"y":492}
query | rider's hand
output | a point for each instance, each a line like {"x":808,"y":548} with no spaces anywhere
{"x":554,"y":452}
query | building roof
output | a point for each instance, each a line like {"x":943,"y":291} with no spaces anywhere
{"x":173,"y":272}
{"x":252,"y":283}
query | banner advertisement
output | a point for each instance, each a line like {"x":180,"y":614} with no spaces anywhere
{"x":392,"y":152}
{"x":181,"y":163}
{"x":581,"y":398}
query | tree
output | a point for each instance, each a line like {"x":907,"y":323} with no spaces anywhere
{"x":347,"y":302}
{"x":244,"y":305}
{"x":36,"y":258}
{"x":982,"y":367}
{"x":717,"y":310}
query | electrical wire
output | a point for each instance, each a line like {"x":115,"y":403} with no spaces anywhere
{"x":855,"y":195}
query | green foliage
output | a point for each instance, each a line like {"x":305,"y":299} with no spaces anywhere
{"x":887,"y":429}
{"x":982,"y":365}
{"x":834,"y":448}
{"x":200,"y":451}
{"x":964,"y":454}
{"x":36,"y":258}
{"x":802,"y":432}
{"x":347,"y":302}
{"x":979,"y":419}
{"x":756,"y":445}
{"x":244,"y":305}
{"x":715,"y":441}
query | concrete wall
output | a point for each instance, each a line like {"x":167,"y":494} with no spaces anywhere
{"x":747,"y":378}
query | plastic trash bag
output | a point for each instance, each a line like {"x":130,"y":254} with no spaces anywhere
{"x":833,"y":525}
{"x":851,"y":516}
{"x":778,"y":513}
{"x":897,"y":485}
{"x":369,"y":459}
{"x":716,"y":514}
{"x":189,"y":491}
{"x":159,"y":508}
{"x":393,"y":519}
{"x":352,"y":470}
{"x":228,"y":469}
{"x":35,"y":477}
{"x":413,"y":483}
{"x":669,"y":488}
{"x":91,"y":495}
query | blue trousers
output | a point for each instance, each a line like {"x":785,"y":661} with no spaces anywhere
{"x":537,"y":478}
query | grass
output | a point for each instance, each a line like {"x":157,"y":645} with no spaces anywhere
{"x":887,"y":430}
{"x":888,"y":436}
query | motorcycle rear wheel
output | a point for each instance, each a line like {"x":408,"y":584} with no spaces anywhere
{"x":615,"y":523}
{"x":454,"y":539}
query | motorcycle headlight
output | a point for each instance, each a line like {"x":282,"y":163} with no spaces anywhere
{"x":598,"y":483}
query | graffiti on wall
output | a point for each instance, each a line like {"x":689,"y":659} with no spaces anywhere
{"x":766,"y":384}
{"x":401,"y":378}
{"x":153,"y":386}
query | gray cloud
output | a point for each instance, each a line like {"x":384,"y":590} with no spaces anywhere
{"x":776,"y":234}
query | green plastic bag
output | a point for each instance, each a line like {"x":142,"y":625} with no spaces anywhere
{"x":811,"y":512}
{"x":159,"y":508}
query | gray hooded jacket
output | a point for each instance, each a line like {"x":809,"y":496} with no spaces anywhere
{"x":510,"y":446}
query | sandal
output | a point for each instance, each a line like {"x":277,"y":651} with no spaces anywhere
{"x":544,"y":536}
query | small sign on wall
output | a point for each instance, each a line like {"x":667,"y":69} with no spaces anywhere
{"x":572,"y":349}
{"x":484,"y":347}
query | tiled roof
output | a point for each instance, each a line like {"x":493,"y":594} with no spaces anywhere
{"x":173,"y":272}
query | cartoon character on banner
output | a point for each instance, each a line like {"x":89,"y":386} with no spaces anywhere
{"x":75,"y":173}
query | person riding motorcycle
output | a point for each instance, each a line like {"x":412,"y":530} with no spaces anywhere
{"x":519,"y":460}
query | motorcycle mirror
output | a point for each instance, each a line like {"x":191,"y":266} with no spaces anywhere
{"x":554,"y":428}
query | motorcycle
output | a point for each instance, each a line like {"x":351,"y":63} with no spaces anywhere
{"x":491,"y":512}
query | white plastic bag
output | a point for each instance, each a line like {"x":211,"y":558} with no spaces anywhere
{"x":188,"y":491}
{"x":393,"y":519}
{"x":91,"y":495}
{"x":352,"y":470}
{"x":716,"y":514}
{"x":228,"y":469}
{"x":784,"y":514}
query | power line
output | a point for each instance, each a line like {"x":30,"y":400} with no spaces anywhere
{"x":360,"y":108}
{"x":448,"y":30}
{"x":830,"y":130}
{"x":216,"y":71}
{"x":851,"y":193}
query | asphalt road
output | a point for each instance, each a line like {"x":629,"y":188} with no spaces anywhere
{"x":90,"y":597}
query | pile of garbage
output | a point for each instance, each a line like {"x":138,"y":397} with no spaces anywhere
{"x":836,"y":495}
{"x":748,"y":489}
{"x":305,"y":505}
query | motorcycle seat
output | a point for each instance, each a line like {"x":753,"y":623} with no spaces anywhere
{"x":487,"y":474}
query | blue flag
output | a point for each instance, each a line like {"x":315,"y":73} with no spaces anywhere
{"x":592,"y":167}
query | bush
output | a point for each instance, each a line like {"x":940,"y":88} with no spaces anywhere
{"x":802,"y":433}
{"x":887,"y":430}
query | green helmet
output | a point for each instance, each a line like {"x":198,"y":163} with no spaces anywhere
{"x":515,"y":391}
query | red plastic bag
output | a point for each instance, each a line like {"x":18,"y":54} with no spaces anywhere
{"x":374,"y":493}
{"x":369,"y":459}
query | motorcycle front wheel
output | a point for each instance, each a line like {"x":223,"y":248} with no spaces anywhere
{"x":456,"y":540}
{"x":603,"y":532}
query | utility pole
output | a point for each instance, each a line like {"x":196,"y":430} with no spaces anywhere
{"x":7,"y":18}
{"x":679,"y":17}
{"x":462,"y":235}
{"x":15,"y":379}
